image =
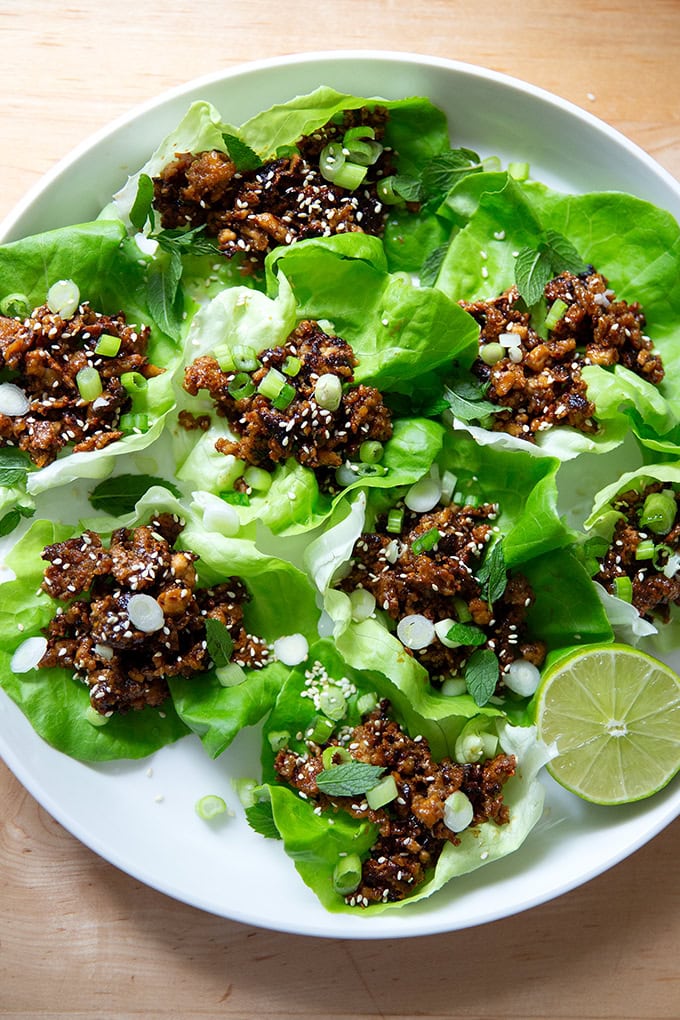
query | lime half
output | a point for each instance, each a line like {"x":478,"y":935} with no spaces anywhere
{"x":614,"y":714}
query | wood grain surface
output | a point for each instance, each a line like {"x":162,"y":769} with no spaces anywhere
{"x":77,"y":937}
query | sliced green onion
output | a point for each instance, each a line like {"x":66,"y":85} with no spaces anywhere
{"x":448,"y":487}
{"x":474,"y":743}
{"x":291,"y":366}
{"x":369,"y":470}
{"x":89,"y":384}
{"x":395,"y":520}
{"x":257,"y":478}
{"x":335,"y":755}
{"x":108,"y":345}
{"x":246,"y":788}
{"x":332,"y":702}
{"x":522,"y":677}
{"x":384,"y":189}
{"x":285,"y":397}
{"x":328,"y":391}
{"x":231,"y":675}
{"x":361,"y":153}
{"x":321,"y":730}
{"x":491,"y":354}
{"x":241,"y":386}
{"x":134,"y":423}
{"x":210,"y":807}
{"x":133,"y":382}
{"x":458,"y":811}
{"x":15,"y":306}
{"x":658,"y":512}
{"x":95,"y":718}
{"x":623,"y":588}
{"x":520,"y":171}
{"x":63,"y":298}
{"x":454,"y":686}
{"x":659,"y":551}
{"x":272,"y":384}
{"x":491,"y":164}
{"x":331,"y":160}
{"x":347,"y":874}
{"x":367,"y":703}
{"x":371,"y":451}
{"x":355,"y":133}
{"x":245,"y":358}
{"x":425,"y":542}
{"x":362,"y":603}
{"x":555,"y":313}
{"x":645,"y":550}
{"x":384,"y":792}
{"x":278,"y":739}
{"x":462,"y":610}
{"x":224,"y":356}
{"x":350,"y":176}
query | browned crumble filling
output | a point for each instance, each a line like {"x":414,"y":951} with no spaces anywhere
{"x":412,"y":833}
{"x":543,"y":386}
{"x":46,"y":352}
{"x":284,"y":201}
{"x":312,"y":435}
{"x":653,"y":592}
{"x":427,"y":583}
{"x":126,"y":668}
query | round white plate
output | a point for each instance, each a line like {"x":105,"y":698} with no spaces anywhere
{"x":140,"y":816}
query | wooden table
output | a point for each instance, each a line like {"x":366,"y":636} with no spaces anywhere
{"x":79,"y":938}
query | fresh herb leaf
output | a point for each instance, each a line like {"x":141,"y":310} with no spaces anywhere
{"x":481,"y":675}
{"x":467,"y":402}
{"x":11,"y":476}
{"x":410,"y":188}
{"x":443,"y":171}
{"x":163,"y":293}
{"x":349,"y":780}
{"x":532,"y":272}
{"x":466,"y":634}
{"x":535,"y":267}
{"x":118,"y":496}
{"x":429,"y":271}
{"x":11,"y":519}
{"x":260,"y":818}
{"x":492,"y":574}
{"x":219,"y":640}
{"x":241,"y":154}
{"x":14,"y":465}
{"x":141,"y":207}
{"x":185,"y":242}
{"x":236,"y":498}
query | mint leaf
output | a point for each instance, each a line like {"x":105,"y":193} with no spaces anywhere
{"x":118,"y":496}
{"x":11,"y":519}
{"x":260,"y":818}
{"x":141,"y":207}
{"x":164,"y":296}
{"x":241,"y":154}
{"x":14,"y":466}
{"x":429,"y":270}
{"x":466,"y":634}
{"x":186,"y":242}
{"x":481,"y":675}
{"x":219,"y":640}
{"x":492,"y":574}
{"x":467,"y":402}
{"x":564,"y":258}
{"x":533,"y":270}
{"x":410,"y":188}
{"x":443,"y":171}
{"x":349,"y":780}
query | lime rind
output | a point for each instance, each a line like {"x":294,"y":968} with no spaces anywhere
{"x":614,"y":715}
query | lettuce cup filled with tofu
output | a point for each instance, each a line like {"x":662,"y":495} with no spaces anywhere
{"x":373,"y":806}
{"x":116,"y":641}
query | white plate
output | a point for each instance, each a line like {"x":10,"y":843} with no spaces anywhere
{"x":140,"y":816}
